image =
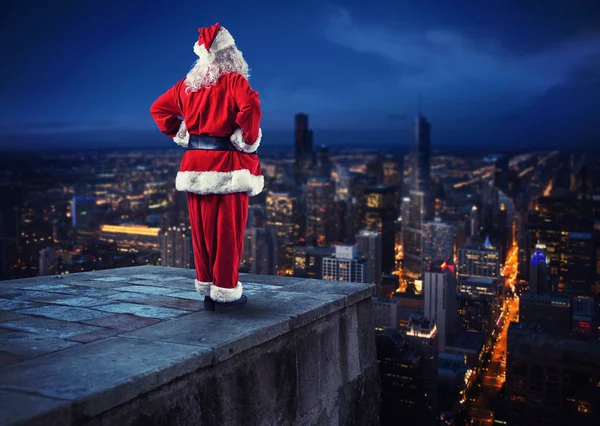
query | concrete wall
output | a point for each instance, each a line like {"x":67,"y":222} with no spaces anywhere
{"x":323,"y":373}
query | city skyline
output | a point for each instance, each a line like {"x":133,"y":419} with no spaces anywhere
{"x":522,"y":75}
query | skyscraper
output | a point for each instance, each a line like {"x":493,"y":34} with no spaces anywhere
{"x":84,"y":213}
{"x":478,"y":270}
{"x":319,"y":206}
{"x":346,"y":265}
{"x":283,"y":214}
{"x":539,"y":273}
{"x":439,"y":291}
{"x":303,"y":149}
{"x":369,"y":246}
{"x":260,"y":255}
{"x":380,"y":215}
{"x":438,"y":242}
{"x":412,"y":235}
{"x":323,"y":166}
{"x":422,"y":172}
{"x":176,"y":247}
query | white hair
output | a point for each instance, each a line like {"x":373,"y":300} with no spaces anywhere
{"x":205,"y":75}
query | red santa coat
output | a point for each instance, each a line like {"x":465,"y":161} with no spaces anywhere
{"x":231,"y":108}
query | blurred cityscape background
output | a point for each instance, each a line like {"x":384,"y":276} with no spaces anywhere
{"x":487,"y":267}
{"x":484,"y":250}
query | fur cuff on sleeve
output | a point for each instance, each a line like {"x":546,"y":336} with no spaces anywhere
{"x":182,"y":137}
{"x":238,"y":140}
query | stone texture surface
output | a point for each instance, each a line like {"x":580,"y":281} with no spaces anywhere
{"x":19,"y":408}
{"x":134,"y":346}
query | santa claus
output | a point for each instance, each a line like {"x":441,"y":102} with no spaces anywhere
{"x":215,"y":114}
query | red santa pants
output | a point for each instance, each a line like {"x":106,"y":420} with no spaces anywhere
{"x":218,"y":222}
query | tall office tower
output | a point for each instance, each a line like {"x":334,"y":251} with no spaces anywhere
{"x":422,"y":171}
{"x":478,"y":270}
{"x":404,"y":217}
{"x":539,"y":273}
{"x":391,"y":166}
{"x":501,"y":173}
{"x":380,"y":216}
{"x":180,"y":202}
{"x":357,"y":205}
{"x":405,"y":376}
{"x":323,"y":166}
{"x":551,"y":312}
{"x":346,"y":265}
{"x":551,"y":380}
{"x":565,"y":226}
{"x":474,"y":228}
{"x":260,"y":255}
{"x":579,"y":263}
{"x":48,"y":264}
{"x":319,"y":208}
{"x":342,"y":179}
{"x":84,"y":215}
{"x":422,"y":335}
{"x":175,"y":245}
{"x":369,"y":246}
{"x":438,"y":242}
{"x":303,"y":149}
{"x":439,"y":290}
{"x":585,"y":320}
{"x":256,"y":216}
{"x":489,"y":206}
{"x":337,"y":231}
{"x":412,"y":234}
{"x":283,"y":214}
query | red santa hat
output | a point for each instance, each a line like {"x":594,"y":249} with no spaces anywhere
{"x":210,"y":41}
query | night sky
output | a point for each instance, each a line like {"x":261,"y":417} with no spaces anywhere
{"x":514,"y":74}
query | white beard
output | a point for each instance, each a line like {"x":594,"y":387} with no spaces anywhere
{"x":205,"y":74}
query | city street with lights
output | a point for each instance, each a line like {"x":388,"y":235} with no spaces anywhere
{"x":493,"y":374}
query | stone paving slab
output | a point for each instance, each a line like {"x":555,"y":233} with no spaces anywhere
{"x":142,"y":310}
{"x":75,"y":301}
{"x":98,"y":284}
{"x":145,"y":289}
{"x":354,"y":292}
{"x":26,"y":295}
{"x":192,"y":295}
{"x":10,"y":305}
{"x":93,"y":336}
{"x":53,"y":287}
{"x":122,"y":322}
{"x":16,"y":408}
{"x":10,"y":315}
{"x":165,"y":301}
{"x":106,"y":373}
{"x":8,"y":359}
{"x":49,"y":327}
{"x":63,"y":313}
{"x":29,"y":345}
{"x":240,"y":331}
{"x":300,"y":308}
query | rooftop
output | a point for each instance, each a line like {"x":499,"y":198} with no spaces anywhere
{"x":134,"y":344}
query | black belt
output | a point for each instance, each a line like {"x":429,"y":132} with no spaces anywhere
{"x":210,"y":143}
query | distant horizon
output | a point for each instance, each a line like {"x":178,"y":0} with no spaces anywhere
{"x":395,"y":138}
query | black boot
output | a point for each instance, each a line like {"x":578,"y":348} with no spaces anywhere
{"x":209,"y":304}
{"x":229,"y":306}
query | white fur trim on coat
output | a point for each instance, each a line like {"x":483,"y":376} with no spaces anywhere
{"x":182,"y":138}
{"x":203,"y":287}
{"x":210,"y":182}
{"x":220,"y":294}
{"x":238,"y":140}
